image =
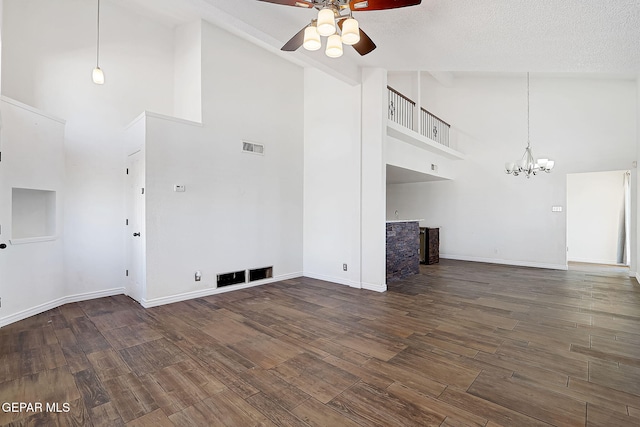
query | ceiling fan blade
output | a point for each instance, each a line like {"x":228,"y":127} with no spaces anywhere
{"x":358,"y":5}
{"x":299,"y":3}
{"x":295,"y":42}
{"x":365,"y":45}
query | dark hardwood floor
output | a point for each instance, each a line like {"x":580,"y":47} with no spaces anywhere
{"x":461,"y":344}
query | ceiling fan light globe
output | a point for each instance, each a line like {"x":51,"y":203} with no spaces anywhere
{"x":334,"y":46}
{"x":350,"y":32}
{"x":326,"y":22}
{"x":311,"y":39}
{"x":97,"y":76}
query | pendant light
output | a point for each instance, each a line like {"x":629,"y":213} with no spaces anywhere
{"x":98,"y":75}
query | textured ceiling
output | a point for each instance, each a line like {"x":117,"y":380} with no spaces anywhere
{"x":549,"y":36}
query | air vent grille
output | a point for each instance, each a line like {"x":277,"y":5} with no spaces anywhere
{"x":260,"y":273}
{"x":252,"y":147}
{"x":234,"y":278}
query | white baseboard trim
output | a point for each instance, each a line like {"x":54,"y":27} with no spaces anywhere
{"x":374,"y":287}
{"x":333,"y":279}
{"x":41,"y":308}
{"x":505,"y":262}
{"x":155,"y":302}
{"x":637,"y":277}
{"x":347,"y":282}
{"x":593,"y":261}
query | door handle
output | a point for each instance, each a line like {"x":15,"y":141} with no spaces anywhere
{"x":136,"y":234}
{"x":3,"y":245}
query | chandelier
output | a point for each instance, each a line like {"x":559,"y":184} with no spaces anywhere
{"x":527,"y":165}
{"x":325,"y":25}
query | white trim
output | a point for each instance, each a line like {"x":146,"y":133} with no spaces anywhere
{"x":31,"y":109}
{"x":374,"y":287}
{"x":505,"y":262}
{"x":172,"y":119}
{"x":412,"y":137}
{"x":41,"y":308}
{"x":26,"y":240}
{"x":637,"y":276}
{"x":136,"y":120}
{"x":595,"y":261}
{"x":332,"y":279}
{"x":154,"y":302}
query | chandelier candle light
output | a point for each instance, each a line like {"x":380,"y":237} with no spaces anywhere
{"x":528,"y":165}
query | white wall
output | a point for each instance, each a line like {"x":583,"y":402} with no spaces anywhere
{"x":585,"y":125}
{"x":31,"y":270}
{"x":405,"y":82}
{"x":331,"y":180}
{"x":594,"y":201}
{"x":187,"y":90}
{"x":239,"y":210}
{"x":48,"y":54}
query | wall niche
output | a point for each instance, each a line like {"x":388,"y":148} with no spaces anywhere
{"x":33,"y":213}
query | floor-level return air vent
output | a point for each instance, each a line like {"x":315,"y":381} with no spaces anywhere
{"x":234,"y":278}
{"x":260,"y":273}
{"x":252,"y":147}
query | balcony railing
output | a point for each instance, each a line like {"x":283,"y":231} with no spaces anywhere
{"x":400,"y":108}
{"x":401,"y":111}
{"x":434,"y":128}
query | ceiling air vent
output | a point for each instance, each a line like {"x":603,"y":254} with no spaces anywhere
{"x":252,"y":147}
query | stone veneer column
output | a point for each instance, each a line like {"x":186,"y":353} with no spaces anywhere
{"x":403,"y":244}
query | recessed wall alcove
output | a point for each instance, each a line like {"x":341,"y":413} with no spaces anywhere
{"x":33,"y":213}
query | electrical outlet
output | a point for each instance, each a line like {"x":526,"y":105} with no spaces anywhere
{"x":344,"y":267}
{"x":198,"y":276}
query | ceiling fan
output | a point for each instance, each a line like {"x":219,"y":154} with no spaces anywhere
{"x":335,"y":21}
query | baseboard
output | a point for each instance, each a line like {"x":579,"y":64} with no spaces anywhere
{"x":374,"y":287}
{"x":332,"y":279}
{"x":505,"y":262}
{"x":41,"y":308}
{"x":154,"y":302}
{"x":593,"y":261}
{"x":638,"y":277}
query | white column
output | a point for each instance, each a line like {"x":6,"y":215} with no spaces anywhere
{"x":373,"y":191}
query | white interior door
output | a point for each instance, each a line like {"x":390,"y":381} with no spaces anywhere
{"x":135,"y":228}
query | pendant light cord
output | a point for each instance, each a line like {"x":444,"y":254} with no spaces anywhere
{"x":98,"y":39}
{"x":528,"y":113}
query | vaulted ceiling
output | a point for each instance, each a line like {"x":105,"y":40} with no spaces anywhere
{"x":548,"y":36}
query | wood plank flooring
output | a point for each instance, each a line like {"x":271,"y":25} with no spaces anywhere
{"x":461,"y":344}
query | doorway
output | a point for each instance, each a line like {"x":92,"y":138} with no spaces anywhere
{"x":135,"y":234}
{"x":599,"y":218}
